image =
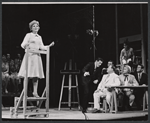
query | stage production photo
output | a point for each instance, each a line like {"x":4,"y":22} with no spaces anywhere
{"x":74,"y":61}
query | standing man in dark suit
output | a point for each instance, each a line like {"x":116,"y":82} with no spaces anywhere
{"x":142,"y":79}
{"x":91,"y":74}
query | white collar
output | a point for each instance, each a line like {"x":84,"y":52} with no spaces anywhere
{"x":111,"y":73}
{"x":35,"y":34}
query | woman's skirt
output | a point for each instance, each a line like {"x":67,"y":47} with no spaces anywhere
{"x":35,"y":67}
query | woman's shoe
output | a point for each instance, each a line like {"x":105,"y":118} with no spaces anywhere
{"x":97,"y":111}
{"x":35,"y":95}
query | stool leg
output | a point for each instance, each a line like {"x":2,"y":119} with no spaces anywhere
{"x":77,"y":91}
{"x":69,"y":89}
{"x":69,"y":97}
{"x":115,"y":101}
{"x":111,"y":105}
{"x":15,"y":101}
{"x":105,"y":105}
{"x":147,"y":99}
{"x":61,"y":92}
{"x":144,"y":101}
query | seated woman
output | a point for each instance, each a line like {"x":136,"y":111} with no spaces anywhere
{"x":127,"y":79}
{"x":126,"y":55}
{"x":5,"y":74}
{"x":18,"y":61}
{"x":13,"y":75}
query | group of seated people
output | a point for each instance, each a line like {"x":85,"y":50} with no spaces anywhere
{"x":10,"y":68}
{"x":126,"y":74}
{"x":126,"y":96}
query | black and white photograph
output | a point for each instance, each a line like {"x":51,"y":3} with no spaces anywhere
{"x":74,"y":61}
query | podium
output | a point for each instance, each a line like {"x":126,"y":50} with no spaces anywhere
{"x":27,"y":111}
{"x":72,"y":74}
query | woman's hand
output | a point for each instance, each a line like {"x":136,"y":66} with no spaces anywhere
{"x":52,"y":44}
{"x":26,"y":46}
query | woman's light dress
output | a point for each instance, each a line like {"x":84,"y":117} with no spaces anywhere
{"x":35,"y":67}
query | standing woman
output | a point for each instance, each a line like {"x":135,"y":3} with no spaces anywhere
{"x":35,"y":68}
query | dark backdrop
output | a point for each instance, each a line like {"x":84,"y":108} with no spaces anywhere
{"x":67,"y":25}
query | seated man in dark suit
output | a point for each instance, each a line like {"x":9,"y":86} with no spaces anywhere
{"x":142,"y":79}
{"x":91,"y":74}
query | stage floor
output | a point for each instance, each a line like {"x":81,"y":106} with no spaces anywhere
{"x":75,"y":114}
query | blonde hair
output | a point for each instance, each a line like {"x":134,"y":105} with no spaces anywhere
{"x":33,"y":22}
{"x":128,"y":67}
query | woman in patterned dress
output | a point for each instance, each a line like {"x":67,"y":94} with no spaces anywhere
{"x":5,"y":74}
{"x":14,"y":75}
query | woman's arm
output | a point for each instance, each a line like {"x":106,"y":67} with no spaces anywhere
{"x":132,"y":54}
{"x":121,"y":55}
{"x":25,"y":43}
{"x":42,"y":47}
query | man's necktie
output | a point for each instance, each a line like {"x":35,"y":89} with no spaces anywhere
{"x":125,"y":77}
{"x":125,"y":80}
{"x":139,"y":76}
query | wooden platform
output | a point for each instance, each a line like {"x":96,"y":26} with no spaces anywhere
{"x":75,"y":114}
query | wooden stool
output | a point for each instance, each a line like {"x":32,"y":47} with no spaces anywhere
{"x":113,"y":106}
{"x":104,"y":105}
{"x":71,"y":73}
